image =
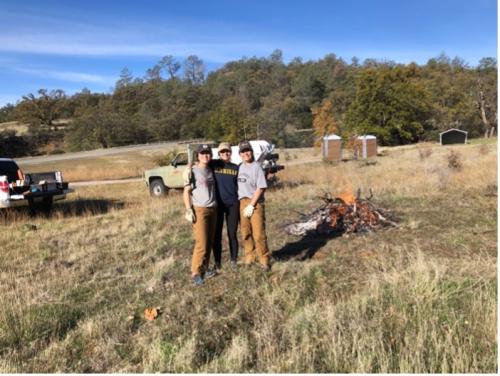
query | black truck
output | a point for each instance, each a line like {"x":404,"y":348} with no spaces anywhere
{"x":35,"y":190}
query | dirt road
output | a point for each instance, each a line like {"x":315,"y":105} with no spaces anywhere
{"x":93,"y":153}
{"x":138,"y":179}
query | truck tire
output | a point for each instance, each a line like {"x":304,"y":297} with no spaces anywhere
{"x":44,"y":207}
{"x":157,"y":188}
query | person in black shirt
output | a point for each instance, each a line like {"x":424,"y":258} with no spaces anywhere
{"x":226,"y":174}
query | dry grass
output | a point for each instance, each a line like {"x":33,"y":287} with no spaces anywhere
{"x":117,"y":166}
{"x":15,"y":126}
{"x":417,"y":299}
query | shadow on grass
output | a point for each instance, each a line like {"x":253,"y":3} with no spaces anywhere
{"x":304,"y":248}
{"x":86,"y":207}
{"x":64,"y":209}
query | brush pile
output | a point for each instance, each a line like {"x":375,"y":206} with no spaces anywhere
{"x":343,"y":214}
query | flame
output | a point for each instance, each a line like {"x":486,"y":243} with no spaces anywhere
{"x":347,"y":197}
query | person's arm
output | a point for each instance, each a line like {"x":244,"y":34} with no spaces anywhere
{"x":187,"y":197}
{"x":256,"y":196}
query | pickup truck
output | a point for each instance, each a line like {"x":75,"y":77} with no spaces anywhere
{"x":35,"y":190}
{"x":161,"y":179}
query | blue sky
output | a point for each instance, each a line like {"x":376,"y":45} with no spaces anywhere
{"x":72,"y":45}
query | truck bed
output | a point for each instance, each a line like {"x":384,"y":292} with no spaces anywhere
{"x":36,"y":187}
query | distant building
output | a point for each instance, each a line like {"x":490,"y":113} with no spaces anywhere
{"x":365,"y":147}
{"x":453,"y":136}
{"x":331,"y":147}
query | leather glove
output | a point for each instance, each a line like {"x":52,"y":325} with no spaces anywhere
{"x":248,"y":211}
{"x":190,"y":216}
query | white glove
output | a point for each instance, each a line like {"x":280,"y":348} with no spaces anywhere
{"x":248,"y":211}
{"x":190,"y":216}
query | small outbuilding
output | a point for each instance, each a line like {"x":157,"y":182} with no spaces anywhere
{"x":453,"y":136}
{"x":331,"y":147}
{"x":366,"y":146}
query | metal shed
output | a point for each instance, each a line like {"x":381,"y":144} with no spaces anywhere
{"x":366,"y":146}
{"x":331,"y":147}
{"x":453,"y":136}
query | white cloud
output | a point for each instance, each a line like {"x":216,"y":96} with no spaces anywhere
{"x":69,"y":76}
{"x":53,"y":45}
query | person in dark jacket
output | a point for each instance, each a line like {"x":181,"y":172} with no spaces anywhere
{"x":226,"y":175}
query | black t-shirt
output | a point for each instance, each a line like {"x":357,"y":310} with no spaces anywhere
{"x":226,"y":180}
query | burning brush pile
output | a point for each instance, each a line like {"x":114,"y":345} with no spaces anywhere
{"x":343,"y":214}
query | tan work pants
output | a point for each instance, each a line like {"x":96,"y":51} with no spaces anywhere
{"x":204,"y":231}
{"x":253,"y":233}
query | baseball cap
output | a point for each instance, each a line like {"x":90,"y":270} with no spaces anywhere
{"x":204,"y":147}
{"x":224,"y":146}
{"x":244,"y":145}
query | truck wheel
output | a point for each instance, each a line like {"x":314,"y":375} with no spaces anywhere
{"x":157,"y":188}
{"x":46,"y":205}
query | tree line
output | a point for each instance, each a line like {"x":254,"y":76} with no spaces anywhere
{"x":290,"y":104}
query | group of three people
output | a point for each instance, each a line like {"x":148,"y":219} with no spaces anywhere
{"x":215,"y":189}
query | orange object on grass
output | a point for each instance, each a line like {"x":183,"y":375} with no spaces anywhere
{"x":347,"y":198}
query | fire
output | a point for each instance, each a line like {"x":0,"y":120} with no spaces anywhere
{"x":346,"y":214}
{"x":347,"y":198}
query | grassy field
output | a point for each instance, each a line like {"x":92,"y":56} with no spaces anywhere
{"x":116,"y":166}
{"x":419,"y":298}
{"x":132,"y":164}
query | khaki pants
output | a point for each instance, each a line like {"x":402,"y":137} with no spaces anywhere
{"x":204,"y":231}
{"x":253,"y":233}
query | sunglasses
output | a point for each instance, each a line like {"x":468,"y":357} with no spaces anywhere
{"x":224,"y":151}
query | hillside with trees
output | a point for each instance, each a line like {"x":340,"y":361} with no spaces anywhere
{"x":290,"y":104}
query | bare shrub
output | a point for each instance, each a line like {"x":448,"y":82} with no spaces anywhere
{"x":454,"y":159}
{"x":483,"y":149}
{"x":443,"y":177}
{"x":424,"y":153}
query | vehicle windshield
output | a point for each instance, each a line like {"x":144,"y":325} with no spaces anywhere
{"x":181,"y":159}
{"x":9,"y":168}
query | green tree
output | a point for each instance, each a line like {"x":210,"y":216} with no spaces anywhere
{"x":391,"y":104}
{"x":126,"y":78}
{"x":487,"y":95}
{"x":229,"y":121}
{"x":7,"y":113}
{"x":170,"y":66}
{"x":41,"y":110}
{"x":194,"y":70}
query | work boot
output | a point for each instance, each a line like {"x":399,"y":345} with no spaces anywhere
{"x":234,"y":265}
{"x":209,"y":274}
{"x":197,"y":280}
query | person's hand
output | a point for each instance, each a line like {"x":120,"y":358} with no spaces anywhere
{"x":248,"y":211}
{"x":190,"y":215}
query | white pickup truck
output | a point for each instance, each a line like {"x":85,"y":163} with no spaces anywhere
{"x":36,"y":190}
